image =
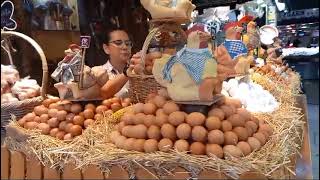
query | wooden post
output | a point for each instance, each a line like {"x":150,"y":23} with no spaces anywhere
{"x":70,"y":172}
{"x":17,"y":170}
{"x":50,"y":173}
{"x":34,"y":169}
{"x":117,"y":172}
{"x":92,"y":172}
{"x":5,"y":163}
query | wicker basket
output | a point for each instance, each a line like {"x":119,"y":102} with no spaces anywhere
{"x":20,"y":108}
{"x":141,"y":85}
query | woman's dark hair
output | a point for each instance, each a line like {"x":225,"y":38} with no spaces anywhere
{"x":106,"y":35}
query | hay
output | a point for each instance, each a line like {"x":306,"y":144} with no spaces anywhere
{"x":94,"y":147}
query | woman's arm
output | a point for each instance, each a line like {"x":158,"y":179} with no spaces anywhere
{"x":113,"y":86}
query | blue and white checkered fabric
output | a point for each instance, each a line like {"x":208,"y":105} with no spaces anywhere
{"x":235,"y":48}
{"x":192,"y":59}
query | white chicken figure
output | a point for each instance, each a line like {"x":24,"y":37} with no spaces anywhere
{"x":160,"y":9}
{"x":191,"y":74}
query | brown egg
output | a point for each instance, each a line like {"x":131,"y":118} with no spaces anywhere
{"x":129,"y":143}
{"x":68,"y":127}
{"x":127,"y":118}
{"x":160,"y":120}
{"x":244,"y":113}
{"x":244,"y":147}
{"x":253,"y":126}
{"x":150,"y":145}
{"x":228,"y":110}
{"x":249,"y":130}
{"x":60,"y":135}
{"x":53,"y":122}
{"x":127,"y":100}
{"x":88,"y":122}
{"x":44,"y":118}
{"x":123,"y":104}
{"x":261,"y":137}
{"x":233,"y":102}
{"x":165,"y":145}
{"x":149,"y":108}
{"x":154,"y":132}
{"x":37,"y":119}
{"x":139,"y":118}
{"x":149,"y":120}
{"x":67,"y":137}
{"x":78,"y":120}
{"x":183,"y":131}
{"x":120,"y":141}
{"x":236,"y":120}
{"x":139,"y":145}
{"x":121,"y":125}
{"x":230,"y":138}
{"x":29,"y":117}
{"x":137,"y":131}
{"x":214,"y":149}
{"x":61,"y":115}
{"x":138,"y":108}
{"x":98,"y":116}
{"x":101,"y":109}
{"x":170,"y":107}
{"x":160,"y":112}
{"x":241,"y":132}
{"x":199,"y":133}
{"x":114,"y":135}
{"x":45,"y":128}
{"x":59,"y":106}
{"x":198,"y":148}
{"x":221,"y":101}
{"x":254,"y":143}
{"x":217,"y":112}
{"x":115,"y":100}
{"x":176,"y":118}
{"x":150,"y":97}
{"x":47,"y":102}
{"x":54,"y":131}
{"x":226,"y":126}
{"x":69,"y":117}
{"x":216,"y":137}
{"x":168,"y":131}
{"x":115,"y":107}
{"x":62,"y":125}
{"x":267,"y":128}
{"x":255,"y":120}
{"x":88,"y":113}
{"x":39,"y":110}
{"x":52,"y":113}
{"x":76,"y":130}
{"x":21,"y":122}
{"x":67,"y":107}
{"x":232,"y":150}
{"x":181,"y":145}
{"x":90,"y":106}
{"x":76,"y":108}
{"x":213,"y":122}
{"x":53,"y":106}
{"x":195,"y":119}
{"x":159,"y":101}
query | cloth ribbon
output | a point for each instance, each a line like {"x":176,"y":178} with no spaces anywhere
{"x":192,"y":59}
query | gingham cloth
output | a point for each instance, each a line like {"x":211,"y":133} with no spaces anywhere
{"x":235,"y":48}
{"x":192,"y":59}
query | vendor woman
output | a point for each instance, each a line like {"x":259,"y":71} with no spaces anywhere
{"x":117,"y":45}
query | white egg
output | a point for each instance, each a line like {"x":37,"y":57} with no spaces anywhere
{"x":233,"y":83}
{"x":225,"y":85}
{"x":225,"y":93}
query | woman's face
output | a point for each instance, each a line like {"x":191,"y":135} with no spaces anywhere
{"x":119,"y":46}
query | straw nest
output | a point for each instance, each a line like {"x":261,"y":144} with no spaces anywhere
{"x":94,"y":147}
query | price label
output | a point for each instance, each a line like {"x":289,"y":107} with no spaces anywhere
{"x":7,"y":23}
{"x":85,"y":41}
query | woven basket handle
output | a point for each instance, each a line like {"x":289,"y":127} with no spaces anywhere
{"x":146,"y":44}
{"x":42,"y":57}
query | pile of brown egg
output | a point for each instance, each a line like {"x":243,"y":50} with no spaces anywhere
{"x":160,"y":125}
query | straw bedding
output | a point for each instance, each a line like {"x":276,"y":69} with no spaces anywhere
{"x":93,"y":146}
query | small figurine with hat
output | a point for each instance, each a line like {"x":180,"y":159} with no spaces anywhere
{"x":191,"y":74}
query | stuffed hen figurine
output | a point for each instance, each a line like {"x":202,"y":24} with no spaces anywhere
{"x":160,"y":9}
{"x":191,"y":74}
{"x":233,"y":49}
{"x":68,"y":76}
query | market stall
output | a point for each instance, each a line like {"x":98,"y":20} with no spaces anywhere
{"x":200,"y":110}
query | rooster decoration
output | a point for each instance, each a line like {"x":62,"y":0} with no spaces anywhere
{"x":191,"y":74}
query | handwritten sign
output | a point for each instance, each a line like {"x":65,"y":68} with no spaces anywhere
{"x":85,"y":41}
{"x":7,"y":23}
